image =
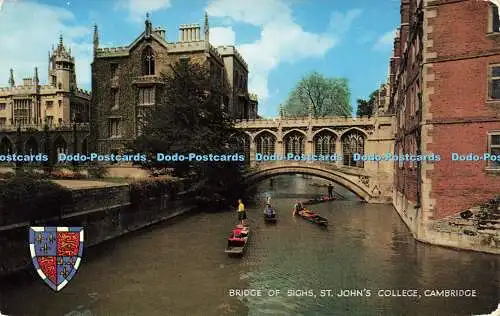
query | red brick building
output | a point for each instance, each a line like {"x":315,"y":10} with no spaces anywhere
{"x":445,"y":93}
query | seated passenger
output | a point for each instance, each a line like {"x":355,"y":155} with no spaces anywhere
{"x":298,"y":208}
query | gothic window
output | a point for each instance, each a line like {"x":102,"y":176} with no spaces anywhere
{"x":6,"y":147}
{"x":494,"y":149}
{"x":114,"y":69}
{"x":142,"y":113}
{"x":3,"y":106}
{"x":494,"y":19}
{"x":22,"y":112}
{"x":147,"y":96}
{"x":240,"y":144}
{"x":31,"y":147}
{"x":50,"y":120}
{"x":60,"y":146}
{"x":3,"y":121}
{"x":353,"y":143}
{"x":494,"y":83}
{"x":294,"y":143}
{"x":324,"y":143}
{"x":148,"y":61}
{"x":114,"y":128}
{"x":265,"y":143}
{"x":116,"y":98}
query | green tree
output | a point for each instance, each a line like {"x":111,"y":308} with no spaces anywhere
{"x":328,"y":96}
{"x":189,"y":119}
{"x":367,"y":107}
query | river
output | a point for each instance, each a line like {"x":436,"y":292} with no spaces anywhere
{"x":180,"y":268}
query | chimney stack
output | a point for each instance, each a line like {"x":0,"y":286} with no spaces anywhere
{"x":189,"y":33}
{"x":160,"y":32}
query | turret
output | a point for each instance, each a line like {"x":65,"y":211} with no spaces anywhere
{"x":36,"y":80}
{"x":11,"y":78}
{"x":96,"y":38}
{"x":206,"y":29}
{"x":62,"y":68}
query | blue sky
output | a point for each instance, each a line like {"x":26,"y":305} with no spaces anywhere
{"x":282,"y":40}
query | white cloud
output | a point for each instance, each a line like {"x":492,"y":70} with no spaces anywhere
{"x":138,"y":8}
{"x":222,"y":36}
{"x":28,"y":31}
{"x":385,"y":42}
{"x":341,"y":23}
{"x":281,"y":39}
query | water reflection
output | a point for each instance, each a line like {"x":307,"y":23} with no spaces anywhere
{"x":180,"y":268}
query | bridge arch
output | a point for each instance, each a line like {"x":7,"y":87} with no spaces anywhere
{"x":336,"y":176}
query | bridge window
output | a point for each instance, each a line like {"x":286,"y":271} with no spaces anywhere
{"x":294,"y":143}
{"x":353,"y":143}
{"x":265,"y":143}
{"x":324,"y":143}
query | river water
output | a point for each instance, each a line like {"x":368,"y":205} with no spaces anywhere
{"x":180,"y":268}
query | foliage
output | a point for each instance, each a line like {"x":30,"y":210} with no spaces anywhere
{"x":152,"y":188}
{"x":367,"y":107}
{"x":24,"y":198}
{"x":96,"y":170}
{"x":328,"y":96}
{"x":189,"y":119}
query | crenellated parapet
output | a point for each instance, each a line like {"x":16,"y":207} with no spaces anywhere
{"x":231,"y":50}
{"x":82,"y":93}
{"x":112,"y":51}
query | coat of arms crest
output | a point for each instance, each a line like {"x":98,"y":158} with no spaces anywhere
{"x":56,"y":253}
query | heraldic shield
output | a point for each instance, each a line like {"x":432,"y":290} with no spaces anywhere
{"x":56,"y":253}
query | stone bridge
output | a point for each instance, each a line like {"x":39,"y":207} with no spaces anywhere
{"x":335,"y":137}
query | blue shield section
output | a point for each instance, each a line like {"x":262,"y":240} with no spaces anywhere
{"x":56,"y":253}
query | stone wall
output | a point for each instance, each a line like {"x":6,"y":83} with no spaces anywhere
{"x":476,"y":228}
{"x":105,"y":213}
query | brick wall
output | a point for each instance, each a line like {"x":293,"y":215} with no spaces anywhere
{"x":460,"y":89}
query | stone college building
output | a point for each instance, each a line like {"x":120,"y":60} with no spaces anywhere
{"x":126,"y":80}
{"x":26,"y":108}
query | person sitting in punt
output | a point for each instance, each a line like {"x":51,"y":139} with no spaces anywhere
{"x":298,"y":208}
{"x":269,"y":211}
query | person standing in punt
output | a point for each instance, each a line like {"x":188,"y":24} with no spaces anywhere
{"x":330,"y":191}
{"x":242,"y":214}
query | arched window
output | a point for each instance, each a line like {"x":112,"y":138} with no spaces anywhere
{"x":324,"y":143}
{"x":240,"y":144}
{"x":294,"y":143}
{"x":265,"y":143}
{"x":6,"y":146}
{"x":148,"y":61}
{"x":31,"y":147}
{"x":353,"y":143}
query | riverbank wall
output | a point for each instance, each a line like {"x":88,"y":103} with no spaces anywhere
{"x":104,"y":210}
{"x":473,"y":229}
